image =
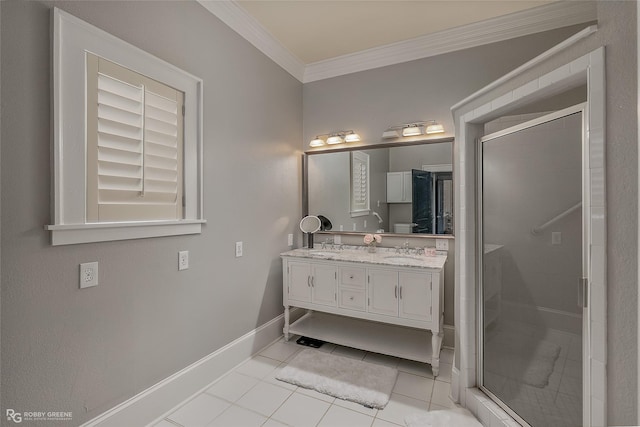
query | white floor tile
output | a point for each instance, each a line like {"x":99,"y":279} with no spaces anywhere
{"x":413,"y":386}
{"x":231,"y":387}
{"x":273,"y":423}
{"x":281,"y":350}
{"x":400,"y":406}
{"x":165,"y":423}
{"x":199,"y":411}
{"x":412,"y":367}
{"x":440,"y":396}
{"x":236,"y":416}
{"x":264,"y":398}
{"x":301,"y":411}
{"x":356,"y":407}
{"x":327,"y":347}
{"x":338,"y":416}
{"x":382,"y":423}
{"x":258,"y":367}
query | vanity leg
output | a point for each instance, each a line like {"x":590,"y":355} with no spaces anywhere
{"x":436,"y":345}
{"x":286,"y":323}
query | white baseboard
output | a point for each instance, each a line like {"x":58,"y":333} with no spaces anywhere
{"x":148,"y":405}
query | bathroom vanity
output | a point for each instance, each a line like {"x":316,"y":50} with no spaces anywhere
{"x":384,"y":302}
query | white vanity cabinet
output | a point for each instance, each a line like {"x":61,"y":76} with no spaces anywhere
{"x":399,"y":187}
{"x":312,"y":283}
{"x":372,"y":303}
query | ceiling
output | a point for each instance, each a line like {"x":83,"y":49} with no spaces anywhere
{"x":315,"y":30}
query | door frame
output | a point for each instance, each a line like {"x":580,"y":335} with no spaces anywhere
{"x":555,"y":115}
{"x":470,"y":116}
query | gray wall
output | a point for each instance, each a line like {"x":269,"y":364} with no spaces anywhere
{"x":617,"y":32}
{"x":65,"y":349}
{"x":370,"y":101}
{"x":524,"y":188}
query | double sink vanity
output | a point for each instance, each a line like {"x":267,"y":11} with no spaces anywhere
{"x":389,"y":302}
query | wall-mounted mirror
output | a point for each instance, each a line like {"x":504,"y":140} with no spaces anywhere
{"x":399,"y":189}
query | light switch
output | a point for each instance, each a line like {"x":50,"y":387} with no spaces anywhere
{"x":556,"y":238}
{"x":238,"y":249}
{"x":290,"y":240}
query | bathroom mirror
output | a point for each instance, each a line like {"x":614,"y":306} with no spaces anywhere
{"x":390,"y":188}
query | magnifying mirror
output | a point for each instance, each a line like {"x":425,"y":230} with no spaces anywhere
{"x":310,"y":224}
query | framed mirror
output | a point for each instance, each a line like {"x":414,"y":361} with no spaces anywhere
{"x":403,"y":189}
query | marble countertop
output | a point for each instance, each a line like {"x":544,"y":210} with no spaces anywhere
{"x":383,"y":256}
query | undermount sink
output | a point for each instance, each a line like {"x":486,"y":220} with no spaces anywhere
{"x":322,"y":253}
{"x":401,"y":257}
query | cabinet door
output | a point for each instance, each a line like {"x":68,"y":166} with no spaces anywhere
{"x":395,"y":188}
{"x":299,"y":284}
{"x":415,"y":295}
{"x":324,"y":283}
{"x":383,"y":292}
{"x":407,"y":187}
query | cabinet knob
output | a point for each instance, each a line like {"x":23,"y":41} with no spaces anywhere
{"x":351,"y":298}
{"x":351,"y":277}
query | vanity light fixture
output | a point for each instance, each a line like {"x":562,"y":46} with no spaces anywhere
{"x":390,"y":133}
{"x":335,"y":138}
{"x":413,"y":129}
{"x":316,"y":143}
{"x":434,"y":128}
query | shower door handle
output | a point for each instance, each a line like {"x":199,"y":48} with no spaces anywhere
{"x":583,"y":292}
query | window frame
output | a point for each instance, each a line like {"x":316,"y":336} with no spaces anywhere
{"x":72,"y":38}
{"x":364,"y":209}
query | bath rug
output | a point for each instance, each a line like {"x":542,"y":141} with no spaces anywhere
{"x":521,"y":358}
{"x":458,"y":417}
{"x":362,"y":382}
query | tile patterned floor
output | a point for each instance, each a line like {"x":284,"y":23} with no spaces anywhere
{"x":250,"y":395}
{"x":559,"y":403}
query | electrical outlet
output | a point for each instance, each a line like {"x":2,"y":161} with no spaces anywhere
{"x":238,"y":249}
{"x":183,"y":260}
{"x":88,"y":274}
{"x":442,"y":244}
{"x":290,"y":240}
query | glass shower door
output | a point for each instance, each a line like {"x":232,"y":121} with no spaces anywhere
{"x":531,"y":257}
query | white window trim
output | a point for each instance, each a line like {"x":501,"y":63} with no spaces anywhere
{"x":72,"y":37}
{"x":362,"y":157}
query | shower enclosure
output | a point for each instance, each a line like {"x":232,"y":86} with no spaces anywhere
{"x":531,"y":260}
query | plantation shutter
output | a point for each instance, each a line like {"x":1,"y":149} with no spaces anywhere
{"x":359,"y":183}
{"x":134,"y":145}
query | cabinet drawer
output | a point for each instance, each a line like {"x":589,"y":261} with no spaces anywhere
{"x":352,"y":276}
{"x":354,"y":300}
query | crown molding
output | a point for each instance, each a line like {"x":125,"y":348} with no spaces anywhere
{"x":543,"y":18}
{"x":239,"y":20}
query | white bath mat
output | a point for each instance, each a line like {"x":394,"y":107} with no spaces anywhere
{"x":458,"y":417}
{"x":522,"y":358}
{"x":362,"y":382}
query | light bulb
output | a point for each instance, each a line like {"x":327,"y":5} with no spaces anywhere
{"x":412,"y":130}
{"x":435,"y":128}
{"x":316,"y":143}
{"x":335,"y":139}
{"x":352,"y":137}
